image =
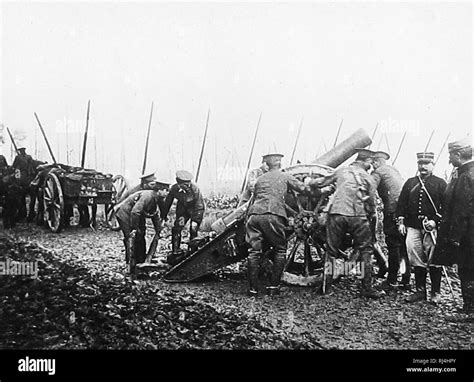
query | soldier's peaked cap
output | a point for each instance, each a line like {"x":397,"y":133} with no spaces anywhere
{"x":148,"y":177}
{"x":381,"y":154}
{"x":460,"y":145}
{"x":271,"y":156}
{"x":425,"y":157}
{"x":184,"y":176}
{"x":364,"y":154}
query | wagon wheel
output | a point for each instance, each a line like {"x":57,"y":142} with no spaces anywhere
{"x":120,"y":187}
{"x":53,"y":202}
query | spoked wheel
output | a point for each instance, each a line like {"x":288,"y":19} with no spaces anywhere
{"x":121,"y":186}
{"x":53,"y":202}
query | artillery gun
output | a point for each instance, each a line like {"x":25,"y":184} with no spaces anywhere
{"x":307,"y":215}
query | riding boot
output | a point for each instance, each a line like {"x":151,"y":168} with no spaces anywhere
{"x":253,"y":267}
{"x":420,"y":284}
{"x":127,"y":250}
{"x":393,"y":264}
{"x":175,"y":256}
{"x":380,"y":263}
{"x":367,"y":289}
{"x":278,"y":266}
{"x":435,"y":277}
{"x":175,"y":240}
{"x":193,"y":230}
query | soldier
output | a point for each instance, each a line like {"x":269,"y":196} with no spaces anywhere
{"x":389,"y":183}
{"x":351,"y":211}
{"x":190,"y":206}
{"x":251,"y":180}
{"x":11,"y":190}
{"x":131,"y":217}
{"x":144,"y":184}
{"x":3,"y":172}
{"x":267,"y":221}
{"x":456,"y":233}
{"x":33,"y":192}
{"x":25,"y":172}
{"x":418,"y":214}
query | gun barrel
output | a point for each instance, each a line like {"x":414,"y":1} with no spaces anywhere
{"x":344,"y":150}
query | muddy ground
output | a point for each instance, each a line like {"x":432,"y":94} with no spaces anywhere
{"x":83,"y":298}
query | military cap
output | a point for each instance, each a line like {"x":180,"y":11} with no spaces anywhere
{"x":269,"y":158}
{"x":21,"y":148}
{"x":464,"y":143}
{"x":183,"y":176}
{"x":381,"y":154}
{"x":425,"y":157}
{"x":148,"y":177}
{"x":363,"y":154}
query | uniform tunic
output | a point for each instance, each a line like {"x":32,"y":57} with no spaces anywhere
{"x":389,"y":183}
{"x":132,"y":214}
{"x":351,"y":206}
{"x":413,"y":202}
{"x":267,"y":215}
{"x":458,"y":215}
{"x":414,"y":205}
{"x":190,"y":204}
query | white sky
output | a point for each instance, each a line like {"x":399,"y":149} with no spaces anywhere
{"x":399,"y":64}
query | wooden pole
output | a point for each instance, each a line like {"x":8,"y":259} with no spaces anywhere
{"x":373,"y":134}
{"x":251,"y":153}
{"x":429,"y":140}
{"x":203,"y":145}
{"x":324,"y":145}
{"x":338,"y":131}
{"x":399,"y":148}
{"x":67,"y":141}
{"x":388,"y":145}
{"x":84,"y":144}
{"x":13,"y":141}
{"x":147,"y":140}
{"x":296,"y":141}
{"x":46,"y":139}
{"x":442,"y":148}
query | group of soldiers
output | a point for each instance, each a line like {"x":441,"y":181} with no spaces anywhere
{"x":153,"y":199}
{"x":427,"y":223}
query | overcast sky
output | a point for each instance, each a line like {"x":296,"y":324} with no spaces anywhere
{"x":406,"y":66}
